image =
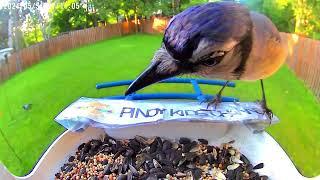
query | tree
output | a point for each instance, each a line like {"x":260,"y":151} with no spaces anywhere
{"x":107,"y":10}
{"x":17,"y":16}
{"x":299,"y":16}
{"x":32,"y":30}
{"x":172,"y":7}
{"x":4,"y":20}
{"x":307,"y":17}
{"x":68,"y":16}
{"x":281,"y":14}
{"x":315,"y":5}
{"x":34,"y":24}
{"x":147,"y":8}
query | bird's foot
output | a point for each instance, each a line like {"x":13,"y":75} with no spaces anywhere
{"x":267,"y":111}
{"x":215,"y":101}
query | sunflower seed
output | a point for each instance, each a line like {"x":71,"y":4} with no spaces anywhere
{"x":156,"y":164}
{"x":264,"y":177}
{"x":210,"y":159}
{"x":155,"y":170}
{"x":203,"y":141}
{"x":258,"y":166}
{"x":129,"y":176}
{"x":133,"y":170}
{"x":107,"y":169}
{"x":196,"y":173}
{"x":181,"y":175}
{"x":169,"y":170}
{"x":195,"y":149}
{"x":190,"y":156}
{"x":253,"y":175}
{"x":210,"y":149}
{"x":122,"y":177}
{"x":232,"y":166}
{"x":141,"y":140}
{"x":202,"y":159}
{"x":175,"y":145}
{"x":244,"y":159}
{"x":166,"y":145}
{"x":249,"y":168}
{"x":166,"y":162}
{"x":236,"y":160}
{"x":153,"y":147}
{"x":184,"y":140}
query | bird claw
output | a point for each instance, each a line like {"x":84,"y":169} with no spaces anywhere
{"x":216,"y":101}
{"x":204,"y":101}
{"x":267,"y":111}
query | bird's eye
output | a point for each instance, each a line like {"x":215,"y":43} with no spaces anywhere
{"x":210,"y":62}
{"x":213,"y":59}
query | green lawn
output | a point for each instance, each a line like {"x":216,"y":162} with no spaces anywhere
{"x":53,"y":84}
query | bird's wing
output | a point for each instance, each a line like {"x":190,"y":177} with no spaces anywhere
{"x":214,"y":22}
{"x":268,"y":51}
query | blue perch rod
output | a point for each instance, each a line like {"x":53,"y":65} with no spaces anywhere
{"x":198,"y":95}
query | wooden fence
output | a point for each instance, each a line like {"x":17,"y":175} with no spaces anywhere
{"x":303,"y":59}
{"x":154,"y":25}
{"x":26,"y":57}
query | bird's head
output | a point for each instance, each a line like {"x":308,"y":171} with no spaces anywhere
{"x":208,"y":40}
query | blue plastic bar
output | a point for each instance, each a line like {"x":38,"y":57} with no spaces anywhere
{"x":113,"y":84}
{"x":171,"y":80}
{"x":171,"y":96}
{"x":196,"y":87}
{"x":199,"y":81}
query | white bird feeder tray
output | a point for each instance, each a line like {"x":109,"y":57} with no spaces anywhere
{"x":242,"y":122}
{"x":256,"y":146}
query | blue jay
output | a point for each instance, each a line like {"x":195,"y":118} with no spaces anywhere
{"x":222,"y":40}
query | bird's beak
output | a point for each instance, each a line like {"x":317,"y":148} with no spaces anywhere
{"x":151,"y":75}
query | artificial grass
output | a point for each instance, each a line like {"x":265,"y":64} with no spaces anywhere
{"x":56,"y":82}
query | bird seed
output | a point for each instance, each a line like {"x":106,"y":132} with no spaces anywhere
{"x":156,"y":158}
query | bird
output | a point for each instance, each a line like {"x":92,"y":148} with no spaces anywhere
{"x":217,"y":40}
